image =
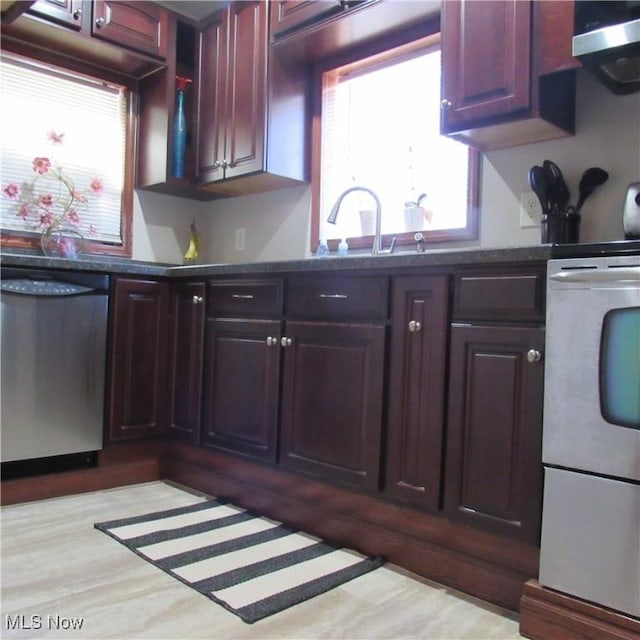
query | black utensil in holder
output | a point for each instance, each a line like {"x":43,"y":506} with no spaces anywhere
{"x":561,"y":227}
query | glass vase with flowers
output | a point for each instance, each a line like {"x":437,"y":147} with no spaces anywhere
{"x":50,"y":203}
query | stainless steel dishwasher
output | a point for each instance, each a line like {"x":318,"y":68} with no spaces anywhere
{"x":52,"y":376}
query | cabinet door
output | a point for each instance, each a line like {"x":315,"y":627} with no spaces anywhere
{"x":212,"y":64}
{"x":241,"y":378}
{"x":69,"y":13}
{"x":332,"y":401}
{"x":246,"y":88}
{"x":138,"y":25}
{"x":485,"y":60}
{"x":138,"y":359}
{"x":186,"y":356}
{"x":416,"y":391}
{"x":493,"y":473}
{"x":291,"y":14}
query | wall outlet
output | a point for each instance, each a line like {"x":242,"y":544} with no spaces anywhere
{"x":240,"y":239}
{"x":530,"y":210}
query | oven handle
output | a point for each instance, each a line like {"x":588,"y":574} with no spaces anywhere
{"x":622,"y":275}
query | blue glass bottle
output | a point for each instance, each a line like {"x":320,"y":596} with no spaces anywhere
{"x":179,"y":131}
{"x":179,"y":138}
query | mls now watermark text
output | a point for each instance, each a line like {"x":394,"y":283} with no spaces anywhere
{"x":21,"y":621}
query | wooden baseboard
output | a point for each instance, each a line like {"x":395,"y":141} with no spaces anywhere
{"x":548,"y":615}
{"x":119,"y":464}
{"x":481,"y":564}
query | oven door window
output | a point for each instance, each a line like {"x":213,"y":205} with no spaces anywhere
{"x":620,"y":367}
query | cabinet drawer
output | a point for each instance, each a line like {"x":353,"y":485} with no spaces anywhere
{"x":338,"y":298}
{"x":500,"y":295}
{"x":245,"y":298}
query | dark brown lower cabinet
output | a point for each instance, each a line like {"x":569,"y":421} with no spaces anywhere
{"x":186,"y":356}
{"x":419,"y":325}
{"x":241,"y":384}
{"x":493,"y":476}
{"x":137,"y":380}
{"x":332,"y":401}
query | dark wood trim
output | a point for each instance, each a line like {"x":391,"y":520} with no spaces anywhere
{"x":548,"y":615}
{"x":486,"y":566}
{"x":119,"y":465}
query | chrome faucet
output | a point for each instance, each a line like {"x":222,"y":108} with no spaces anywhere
{"x":377,"y":241}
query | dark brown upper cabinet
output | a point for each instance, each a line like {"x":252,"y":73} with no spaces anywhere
{"x":507,"y":72}
{"x":311,"y":30}
{"x":293,"y":14}
{"x":130,"y":38}
{"x":69,"y":13}
{"x":251,"y":107}
{"x":139,"y":25}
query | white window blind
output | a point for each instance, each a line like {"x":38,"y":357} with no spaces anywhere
{"x":90,"y":116}
{"x":381,"y":130}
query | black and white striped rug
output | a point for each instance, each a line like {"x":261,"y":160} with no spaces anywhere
{"x":250,"y":565}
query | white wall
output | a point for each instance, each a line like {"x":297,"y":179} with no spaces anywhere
{"x":277,"y":224}
{"x":161,"y":226}
{"x":607,"y":135}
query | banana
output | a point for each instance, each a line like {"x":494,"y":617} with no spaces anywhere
{"x":194,"y":244}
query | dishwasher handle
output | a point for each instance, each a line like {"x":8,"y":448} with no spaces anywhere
{"x":46,"y":288}
{"x":622,"y":275}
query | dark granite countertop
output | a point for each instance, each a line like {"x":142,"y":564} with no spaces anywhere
{"x":436,"y":257}
{"x":101,"y":264}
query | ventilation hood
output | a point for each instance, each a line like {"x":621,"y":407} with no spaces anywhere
{"x":612,"y":53}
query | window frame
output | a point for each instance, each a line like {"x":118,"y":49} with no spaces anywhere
{"x":40,"y":58}
{"x":404,"y":46}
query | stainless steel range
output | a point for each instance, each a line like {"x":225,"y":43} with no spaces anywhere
{"x":590,"y":545}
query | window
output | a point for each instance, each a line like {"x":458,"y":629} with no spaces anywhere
{"x":79,"y":125}
{"x":380,"y":129}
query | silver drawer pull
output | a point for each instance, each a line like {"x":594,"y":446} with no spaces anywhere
{"x":333,"y":296}
{"x":240,"y":296}
{"x":415,"y":326}
{"x":533,"y":355}
{"x":197,"y":299}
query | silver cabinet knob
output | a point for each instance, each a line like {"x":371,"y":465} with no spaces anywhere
{"x":286,"y":342}
{"x":271,"y":341}
{"x":415,"y":326}
{"x":446,"y":104}
{"x":100,"y":22}
{"x":533,"y":355}
{"x":197,"y":299}
{"x":77,"y":14}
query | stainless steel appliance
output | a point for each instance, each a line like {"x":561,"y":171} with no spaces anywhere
{"x":607,"y":41}
{"x":590,"y":545}
{"x":53,"y":333}
{"x":631,"y":212}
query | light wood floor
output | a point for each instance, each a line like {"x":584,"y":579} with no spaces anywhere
{"x":57,"y":569}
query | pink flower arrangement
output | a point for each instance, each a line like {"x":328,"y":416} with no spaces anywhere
{"x":50,"y":200}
